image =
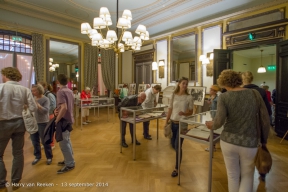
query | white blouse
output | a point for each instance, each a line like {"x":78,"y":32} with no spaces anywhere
{"x":180,"y":103}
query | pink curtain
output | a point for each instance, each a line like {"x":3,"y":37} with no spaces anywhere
{"x":6,"y":60}
{"x":24,"y":64}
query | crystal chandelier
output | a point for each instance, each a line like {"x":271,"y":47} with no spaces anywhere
{"x":126,"y":40}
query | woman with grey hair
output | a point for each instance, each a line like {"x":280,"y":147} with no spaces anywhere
{"x":42,"y":118}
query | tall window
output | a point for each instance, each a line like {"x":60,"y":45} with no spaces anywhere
{"x":101,"y":86}
{"x":16,"y":51}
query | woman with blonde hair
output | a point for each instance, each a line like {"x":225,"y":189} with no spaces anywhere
{"x":42,"y":118}
{"x":181,"y":105}
{"x":236,"y":111}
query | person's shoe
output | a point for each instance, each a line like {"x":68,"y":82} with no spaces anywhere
{"x":174,"y":173}
{"x":42,"y":147}
{"x":61,"y":163}
{"x":137,"y":142}
{"x":65,"y":169}
{"x":35,"y":161}
{"x":3,"y":185}
{"x":88,"y":121}
{"x":49,"y":161}
{"x":148,"y":138}
{"x":84,"y":123}
{"x":52,"y":147}
{"x":124,"y":144}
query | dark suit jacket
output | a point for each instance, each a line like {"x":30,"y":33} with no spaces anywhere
{"x":263,"y":94}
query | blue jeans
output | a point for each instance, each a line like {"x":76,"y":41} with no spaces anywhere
{"x":35,"y":138}
{"x":146,"y":128}
{"x":175,"y":142}
{"x":66,"y":148}
{"x":13,"y":129}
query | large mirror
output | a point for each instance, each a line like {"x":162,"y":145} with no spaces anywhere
{"x":66,"y":56}
{"x":183,"y":57}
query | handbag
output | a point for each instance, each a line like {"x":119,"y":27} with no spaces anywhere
{"x":168,"y":128}
{"x":263,"y":159}
{"x":29,"y":121}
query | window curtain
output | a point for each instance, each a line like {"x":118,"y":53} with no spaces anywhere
{"x":25,"y":67}
{"x":108,"y":68}
{"x":91,"y":68}
{"x":6,"y":60}
{"x":38,"y":56}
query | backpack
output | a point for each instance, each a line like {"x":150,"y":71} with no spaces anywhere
{"x":47,"y":92}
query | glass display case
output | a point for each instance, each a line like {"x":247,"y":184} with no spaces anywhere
{"x":194,"y":128}
{"x":138,"y":114}
{"x":96,"y":102}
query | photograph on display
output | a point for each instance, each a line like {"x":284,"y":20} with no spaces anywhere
{"x":198,"y":94}
{"x":141,"y":88}
{"x":120,"y":86}
{"x":132,"y":89}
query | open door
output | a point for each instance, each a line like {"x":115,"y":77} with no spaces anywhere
{"x":281,"y":123}
{"x":222,"y":60}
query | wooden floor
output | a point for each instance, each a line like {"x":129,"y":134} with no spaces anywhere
{"x":99,"y":162}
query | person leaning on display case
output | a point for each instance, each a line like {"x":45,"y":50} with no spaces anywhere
{"x":150,"y":102}
{"x":182,"y":105}
{"x":236,"y":111}
{"x":129,"y":101}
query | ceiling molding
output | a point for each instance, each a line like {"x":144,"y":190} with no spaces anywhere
{"x":137,"y":10}
{"x":184,"y":12}
{"x":28,"y":29}
{"x":38,"y":16}
{"x":225,"y":17}
{"x":43,"y":10}
{"x":158,"y":12}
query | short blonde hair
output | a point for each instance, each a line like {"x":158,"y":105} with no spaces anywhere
{"x":12,"y":73}
{"x":39,"y":88}
{"x":87,"y":88}
{"x":247,"y":77}
{"x":229,"y":78}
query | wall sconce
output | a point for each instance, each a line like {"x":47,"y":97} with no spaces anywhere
{"x":154,"y":66}
{"x":205,"y":59}
{"x":159,"y":66}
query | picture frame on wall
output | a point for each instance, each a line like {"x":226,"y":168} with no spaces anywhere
{"x":132,"y":89}
{"x":198,"y":94}
{"x":141,"y":88}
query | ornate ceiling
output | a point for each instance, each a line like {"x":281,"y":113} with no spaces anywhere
{"x":159,"y":16}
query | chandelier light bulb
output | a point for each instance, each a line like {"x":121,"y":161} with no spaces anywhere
{"x":104,"y":12}
{"x":141,"y":29}
{"x":85,"y":28}
{"x":127,"y":14}
{"x":98,"y":23}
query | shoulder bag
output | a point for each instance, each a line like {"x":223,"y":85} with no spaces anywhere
{"x":167,"y":128}
{"x":29,"y":121}
{"x":263,"y":159}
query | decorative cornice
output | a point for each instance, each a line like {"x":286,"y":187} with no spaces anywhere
{"x":41,"y":10}
{"x":38,"y":16}
{"x":29,"y":30}
{"x":137,"y":10}
{"x":218,"y":19}
{"x":158,"y":12}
